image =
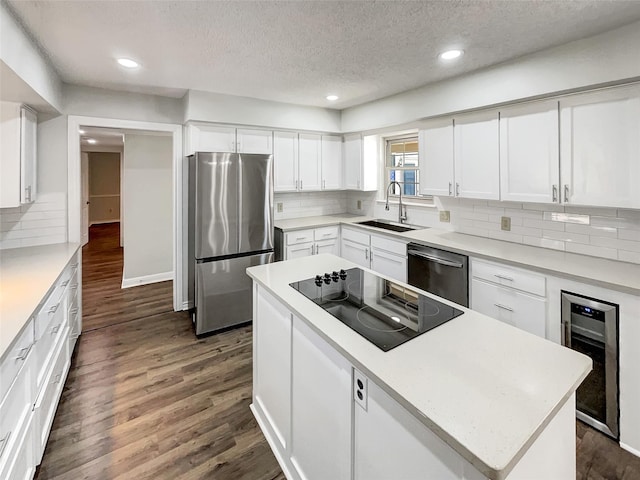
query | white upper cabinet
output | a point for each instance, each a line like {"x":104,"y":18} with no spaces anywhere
{"x":361,"y":162}
{"x":477,"y":164}
{"x":209,"y":138}
{"x":529,"y":153}
{"x":331,"y":162}
{"x":17,"y":155}
{"x":352,"y":162}
{"x":309,"y":166}
{"x":254,"y":141}
{"x":600,"y":148}
{"x":285,"y":161}
{"x":435,"y":145}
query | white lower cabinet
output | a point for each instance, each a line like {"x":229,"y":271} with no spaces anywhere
{"x":320,"y":407}
{"x":389,"y":443}
{"x":32,"y":375}
{"x":304,"y":243}
{"x":509,"y":294}
{"x":377,"y":252}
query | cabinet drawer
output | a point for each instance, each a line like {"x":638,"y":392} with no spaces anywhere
{"x":47,"y":402}
{"x":397,"y":247}
{"x":15,"y":359}
{"x":389,"y":264}
{"x":354,"y":235}
{"x":15,"y":412}
{"x":300,"y":236}
{"x":325,"y":233}
{"x":509,"y":277}
{"x":51,"y":324}
{"x":298,"y":251}
{"x":510,"y":306}
{"x":20,"y":465}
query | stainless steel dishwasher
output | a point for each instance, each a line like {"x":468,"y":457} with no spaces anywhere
{"x":436,"y":271}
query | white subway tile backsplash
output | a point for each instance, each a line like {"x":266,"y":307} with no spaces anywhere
{"x":507,"y":236}
{"x":566,"y":236}
{"x":616,"y":222}
{"x":308,"y":204}
{"x":592,"y":250}
{"x":543,"y":207}
{"x":478,"y":232}
{"x":543,"y":242}
{"x":544,"y":225}
{"x":566,"y":217}
{"x":593,"y":231}
{"x":628,"y":245}
{"x":519,"y":212}
{"x":41,"y":223}
{"x":488,"y":210}
{"x":625,"y":234}
{"x":529,"y":231}
{"x":600,"y":211}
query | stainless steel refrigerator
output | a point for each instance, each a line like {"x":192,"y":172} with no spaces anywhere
{"x":230,"y":229}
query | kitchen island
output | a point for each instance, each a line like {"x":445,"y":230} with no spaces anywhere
{"x":473,"y":398}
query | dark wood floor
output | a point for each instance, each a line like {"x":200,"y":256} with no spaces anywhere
{"x":146,"y":400}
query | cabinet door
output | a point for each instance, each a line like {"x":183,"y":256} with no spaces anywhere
{"x":10,"y":124}
{"x":511,"y":306}
{"x":320,"y":407}
{"x":389,"y":443}
{"x":394,"y":266}
{"x":331,"y":162}
{"x":328,"y":246}
{"x":28,"y":155}
{"x":272,"y":364}
{"x":600,"y":148}
{"x":309,"y":162}
{"x":299,"y":251}
{"x":435,"y":146}
{"x":285,"y":161}
{"x":355,"y":252}
{"x":353,"y":162}
{"x":210,"y":138}
{"x":255,"y":141}
{"x":477,"y":169}
{"x":529,"y":153}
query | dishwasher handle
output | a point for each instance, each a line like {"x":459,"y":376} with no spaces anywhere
{"x":435,"y":259}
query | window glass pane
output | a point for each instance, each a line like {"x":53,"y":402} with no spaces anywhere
{"x":408,"y":180}
{"x":402,"y":163}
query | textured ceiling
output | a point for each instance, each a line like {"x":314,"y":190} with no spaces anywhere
{"x":300,"y":51}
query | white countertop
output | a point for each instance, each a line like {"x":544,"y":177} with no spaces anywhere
{"x":26,"y":275}
{"x":486,"y":388}
{"x":320,"y":221}
{"x":620,"y":276}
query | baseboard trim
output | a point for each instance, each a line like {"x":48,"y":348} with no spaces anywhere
{"x":146,"y":279}
{"x":630,"y":449}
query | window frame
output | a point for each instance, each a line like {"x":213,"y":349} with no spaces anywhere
{"x":387,"y":168}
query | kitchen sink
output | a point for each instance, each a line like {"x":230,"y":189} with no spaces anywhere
{"x":389,"y":225}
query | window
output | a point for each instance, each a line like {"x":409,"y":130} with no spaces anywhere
{"x":402,"y":166}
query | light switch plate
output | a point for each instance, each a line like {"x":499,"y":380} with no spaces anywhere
{"x":445,"y":216}
{"x":280,"y":207}
{"x":505,"y":224}
{"x":359,"y":204}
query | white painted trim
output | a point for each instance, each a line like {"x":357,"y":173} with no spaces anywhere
{"x":101,"y":222}
{"x":630,"y":449}
{"x":75,"y":192}
{"x":187,"y":305}
{"x":146,"y":279}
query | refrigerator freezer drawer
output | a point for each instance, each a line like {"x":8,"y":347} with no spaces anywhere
{"x":223,"y":296}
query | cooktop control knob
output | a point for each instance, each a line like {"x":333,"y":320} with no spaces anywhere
{"x":318,"y":280}
{"x":343,"y":274}
{"x":334,"y":276}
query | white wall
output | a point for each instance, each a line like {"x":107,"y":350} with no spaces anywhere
{"x":21,"y":55}
{"x":218,"y":108}
{"x":609,"y":57}
{"x":44,"y":221}
{"x":99,"y":102}
{"x":148,"y":213}
{"x":104,"y":187}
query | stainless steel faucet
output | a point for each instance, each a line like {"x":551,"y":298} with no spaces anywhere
{"x":402,"y":217}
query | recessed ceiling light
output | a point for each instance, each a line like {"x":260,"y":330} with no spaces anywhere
{"x":332,"y":98}
{"x":128,"y":63}
{"x":451,"y":54}
{"x":81,"y":132}
{"x":91,"y":140}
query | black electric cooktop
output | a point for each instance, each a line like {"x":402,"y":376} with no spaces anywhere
{"x":385,"y":313}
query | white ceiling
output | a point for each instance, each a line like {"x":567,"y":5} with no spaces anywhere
{"x":300,"y":51}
